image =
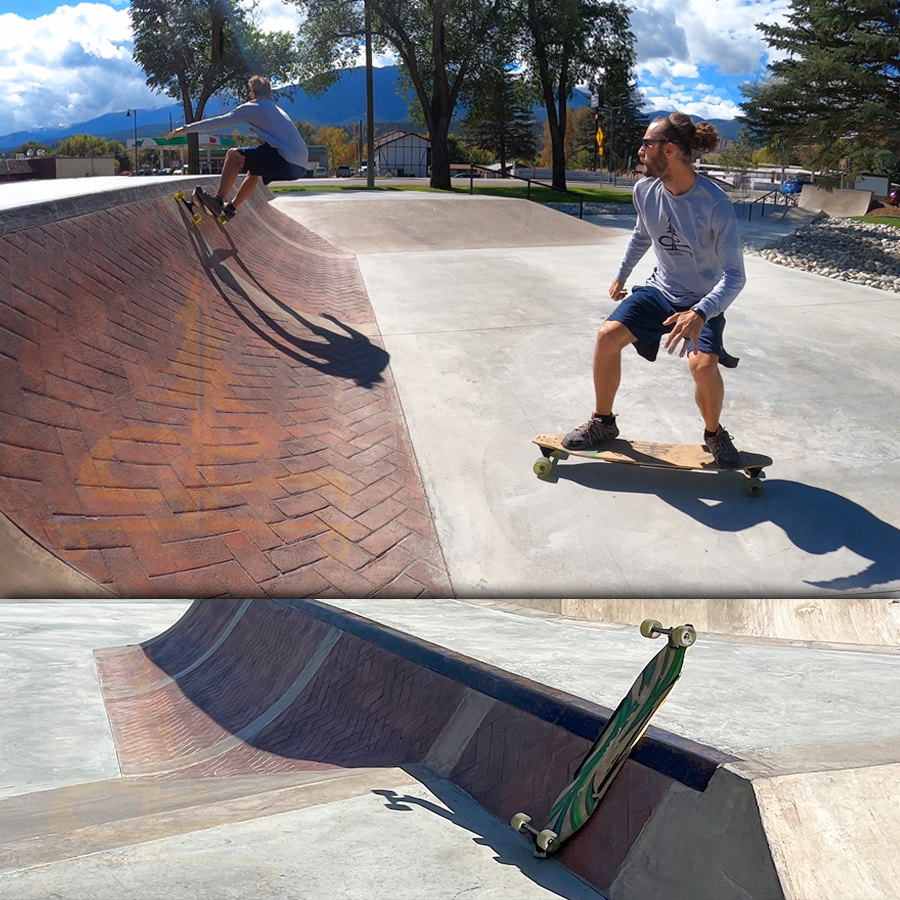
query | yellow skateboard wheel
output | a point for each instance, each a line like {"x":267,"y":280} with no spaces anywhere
{"x":650,"y":628}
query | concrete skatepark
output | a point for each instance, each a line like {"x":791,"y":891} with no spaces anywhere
{"x":368,"y":374}
{"x":378,"y":748}
{"x":395,"y":356}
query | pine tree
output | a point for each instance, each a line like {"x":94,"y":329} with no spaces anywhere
{"x":839,"y":82}
{"x":498,"y":120}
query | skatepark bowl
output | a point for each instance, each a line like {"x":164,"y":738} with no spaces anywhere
{"x":197,"y":410}
{"x":246,"y":737}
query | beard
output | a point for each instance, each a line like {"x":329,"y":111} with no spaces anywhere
{"x":657,"y":168}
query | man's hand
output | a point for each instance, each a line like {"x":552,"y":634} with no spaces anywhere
{"x":617,"y":290}
{"x":688,"y":326}
{"x":176,"y":132}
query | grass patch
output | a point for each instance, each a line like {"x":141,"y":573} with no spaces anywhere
{"x":879,"y":220}
{"x":507,"y":189}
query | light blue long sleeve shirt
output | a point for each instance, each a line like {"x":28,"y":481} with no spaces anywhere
{"x":699,"y":256}
{"x":270,"y":122}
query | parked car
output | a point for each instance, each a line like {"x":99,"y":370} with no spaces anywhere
{"x":344,"y":172}
{"x":320,"y":172}
{"x":364,"y":169}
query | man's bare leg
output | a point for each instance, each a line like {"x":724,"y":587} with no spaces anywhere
{"x":246,"y":189}
{"x":612,"y":338}
{"x":709,"y":388}
{"x":234,"y":160}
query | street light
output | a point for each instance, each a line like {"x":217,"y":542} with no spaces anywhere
{"x":128,"y":115}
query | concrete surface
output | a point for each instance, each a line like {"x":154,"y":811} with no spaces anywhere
{"x":825,"y":621}
{"x":53,"y":723}
{"x":807,"y":808}
{"x":490,"y":346}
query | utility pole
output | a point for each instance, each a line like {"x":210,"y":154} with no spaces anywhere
{"x":370,"y":104}
{"x":128,"y":116}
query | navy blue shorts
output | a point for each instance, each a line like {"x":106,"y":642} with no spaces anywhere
{"x":264,"y":160}
{"x":643,"y":313}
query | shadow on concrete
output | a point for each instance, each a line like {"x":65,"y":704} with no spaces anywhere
{"x":814,"y":519}
{"x":510,"y":849}
{"x":343,"y":352}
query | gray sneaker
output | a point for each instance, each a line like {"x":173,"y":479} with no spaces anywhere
{"x":591,"y":434}
{"x":724,"y":452}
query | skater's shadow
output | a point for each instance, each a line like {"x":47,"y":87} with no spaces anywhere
{"x":814,"y":519}
{"x":341,"y":351}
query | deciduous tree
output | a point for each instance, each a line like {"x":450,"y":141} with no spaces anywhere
{"x":564,"y":43}
{"x":192,"y":50}
{"x":437,"y":41}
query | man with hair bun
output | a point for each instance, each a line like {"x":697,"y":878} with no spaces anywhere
{"x":282,"y":155}
{"x":690,"y":223}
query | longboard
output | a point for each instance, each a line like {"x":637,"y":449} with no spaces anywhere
{"x":661,"y":456}
{"x":578,"y":800}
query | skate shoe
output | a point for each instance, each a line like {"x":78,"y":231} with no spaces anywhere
{"x":590,"y":435}
{"x":215,"y":205}
{"x":724,"y":452}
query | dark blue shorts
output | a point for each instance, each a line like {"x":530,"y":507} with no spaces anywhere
{"x":643,"y":313}
{"x":264,"y":160}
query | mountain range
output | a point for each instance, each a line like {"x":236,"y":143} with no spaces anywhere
{"x":343,"y":104}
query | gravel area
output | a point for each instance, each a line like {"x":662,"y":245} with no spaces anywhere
{"x":846,"y":249}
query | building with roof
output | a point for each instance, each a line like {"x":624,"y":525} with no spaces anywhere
{"x":403,"y":153}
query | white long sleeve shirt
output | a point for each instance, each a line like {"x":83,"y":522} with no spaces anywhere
{"x":699,"y":256}
{"x":271,"y":124}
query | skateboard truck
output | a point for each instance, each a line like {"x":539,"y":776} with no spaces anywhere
{"x":195,"y":217}
{"x":679,"y":636}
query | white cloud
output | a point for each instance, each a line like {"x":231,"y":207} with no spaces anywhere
{"x":70,"y":65}
{"x":676,"y":37}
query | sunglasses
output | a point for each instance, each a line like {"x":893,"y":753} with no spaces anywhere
{"x":646,"y":142}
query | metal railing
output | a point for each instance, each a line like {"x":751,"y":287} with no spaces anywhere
{"x":529,"y":182}
{"x":776,"y":195}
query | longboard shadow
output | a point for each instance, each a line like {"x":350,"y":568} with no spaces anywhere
{"x":814,"y":519}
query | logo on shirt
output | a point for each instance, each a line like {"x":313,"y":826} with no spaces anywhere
{"x":673,"y":244}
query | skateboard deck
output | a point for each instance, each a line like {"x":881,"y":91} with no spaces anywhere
{"x":578,"y":800}
{"x":661,"y":456}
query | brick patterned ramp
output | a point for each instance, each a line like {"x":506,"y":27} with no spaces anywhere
{"x":244,"y":689}
{"x":199,"y":411}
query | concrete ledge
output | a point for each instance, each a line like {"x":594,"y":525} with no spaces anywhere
{"x":859,"y":623}
{"x":55,"y":203}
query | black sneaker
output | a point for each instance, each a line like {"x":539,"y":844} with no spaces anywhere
{"x":214,"y":204}
{"x":228,"y":211}
{"x":588,"y":436}
{"x":724,"y":452}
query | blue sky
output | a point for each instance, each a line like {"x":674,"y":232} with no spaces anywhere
{"x":63,"y":64}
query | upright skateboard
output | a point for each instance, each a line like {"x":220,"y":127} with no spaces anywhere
{"x":661,"y":456}
{"x":573,"y":807}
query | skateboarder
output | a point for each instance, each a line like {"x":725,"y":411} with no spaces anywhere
{"x":282,"y":156}
{"x":690,"y":223}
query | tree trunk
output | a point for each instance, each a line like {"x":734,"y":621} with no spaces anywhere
{"x":440,"y":153}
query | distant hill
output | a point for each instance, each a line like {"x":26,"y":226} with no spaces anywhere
{"x":343,"y":104}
